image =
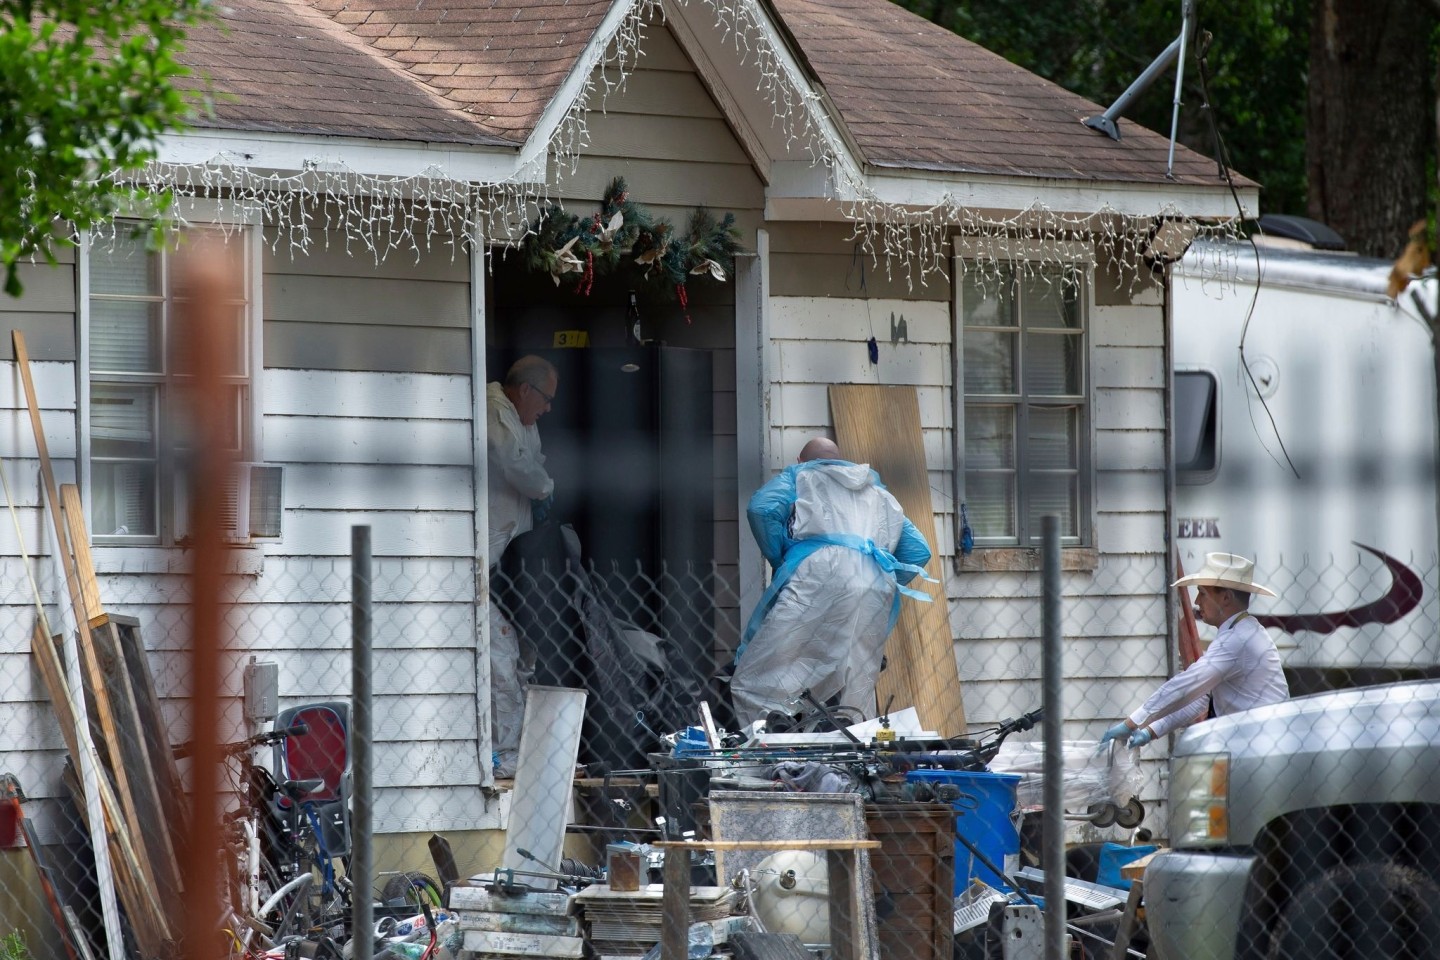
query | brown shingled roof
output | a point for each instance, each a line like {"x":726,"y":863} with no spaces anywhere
{"x":915,"y":95}
{"x":277,"y":66}
{"x":500,"y":61}
{"x":909,"y":93}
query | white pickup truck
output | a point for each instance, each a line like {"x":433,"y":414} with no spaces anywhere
{"x":1306,"y":830}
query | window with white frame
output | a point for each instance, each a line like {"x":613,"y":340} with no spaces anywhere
{"x":139,"y":398}
{"x":1023,"y":436}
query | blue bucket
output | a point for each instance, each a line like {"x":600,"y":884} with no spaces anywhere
{"x":982,"y":816}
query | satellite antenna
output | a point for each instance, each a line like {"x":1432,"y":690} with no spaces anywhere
{"x":1107,"y":122}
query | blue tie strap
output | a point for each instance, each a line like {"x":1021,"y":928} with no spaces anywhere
{"x":801,"y":549}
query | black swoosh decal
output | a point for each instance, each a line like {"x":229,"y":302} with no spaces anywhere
{"x":1403,"y":596}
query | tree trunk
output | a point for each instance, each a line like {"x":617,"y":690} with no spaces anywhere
{"x":1371,"y":119}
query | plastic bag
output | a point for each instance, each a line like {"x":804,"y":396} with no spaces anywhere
{"x":1111,"y":777}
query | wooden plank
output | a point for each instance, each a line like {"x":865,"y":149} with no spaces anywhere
{"x":80,"y":545}
{"x":154,"y":740}
{"x":880,"y":425}
{"x":140,"y":903}
{"x":149,"y":919}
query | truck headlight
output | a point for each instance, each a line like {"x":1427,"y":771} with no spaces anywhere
{"x":1200,"y":800}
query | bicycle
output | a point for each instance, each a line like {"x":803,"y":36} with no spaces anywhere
{"x":256,"y":912}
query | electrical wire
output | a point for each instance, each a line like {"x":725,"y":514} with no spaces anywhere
{"x":1223,"y":159}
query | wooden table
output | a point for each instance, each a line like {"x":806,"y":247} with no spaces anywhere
{"x":840,"y":858}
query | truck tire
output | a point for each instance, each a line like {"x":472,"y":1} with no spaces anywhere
{"x":1370,"y":911}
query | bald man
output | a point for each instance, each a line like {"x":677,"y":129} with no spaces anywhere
{"x":841,"y":549}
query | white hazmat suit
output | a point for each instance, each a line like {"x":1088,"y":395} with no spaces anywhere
{"x":516,"y":477}
{"x":841,"y":548}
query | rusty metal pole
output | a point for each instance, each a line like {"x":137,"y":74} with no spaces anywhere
{"x":200,"y":345}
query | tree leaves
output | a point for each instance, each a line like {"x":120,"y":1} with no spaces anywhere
{"x":86,"y":89}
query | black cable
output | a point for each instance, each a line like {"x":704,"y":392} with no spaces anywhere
{"x":1223,"y":158}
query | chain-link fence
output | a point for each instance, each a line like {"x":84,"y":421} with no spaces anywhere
{"x":538,"y":789}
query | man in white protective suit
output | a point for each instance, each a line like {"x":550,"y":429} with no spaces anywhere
{"x":520,"y":493}
{"x":842,"y":549}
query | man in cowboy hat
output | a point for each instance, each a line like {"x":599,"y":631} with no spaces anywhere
{"x":1240,"y":669}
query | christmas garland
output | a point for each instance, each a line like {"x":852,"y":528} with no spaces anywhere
{"x":623,"y":235}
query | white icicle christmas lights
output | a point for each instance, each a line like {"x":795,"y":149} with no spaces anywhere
{"x":386,"y":215}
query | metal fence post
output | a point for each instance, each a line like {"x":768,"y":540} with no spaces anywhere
{"x":362,"y":855}
{"x":1052,"y":671}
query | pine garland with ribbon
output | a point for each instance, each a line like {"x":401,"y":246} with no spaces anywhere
{"x":623,"y":235}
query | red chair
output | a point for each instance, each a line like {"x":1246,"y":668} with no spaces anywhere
{"x":321,"y":753}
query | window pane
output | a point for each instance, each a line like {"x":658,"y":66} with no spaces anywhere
{"x":123,"y":496}
{"x":182,"y":412}
{"x":1051,"y":298}
{"x":989,"y":437}
{"x":987,"y":300}
{"x":122,"y":421}
{"x":124,"y":267}
{"x":125,"y":336}
{"x":1054,"y":438}
{"x":1052,"y":365}
{"x":1195,"y":421}
{"x":990,"y":504}
{"x":1057,"y":494}
{"x":232,"y":340}
{"x":989,"y":363}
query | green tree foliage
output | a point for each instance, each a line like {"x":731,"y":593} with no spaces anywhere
{"x":1257,"y":62}
{"x":86,"y":87}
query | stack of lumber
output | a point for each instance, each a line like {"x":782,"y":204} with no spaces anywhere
{"x":528,"y":924}
{"x":112,"y":721}
{"x":625,"y":923}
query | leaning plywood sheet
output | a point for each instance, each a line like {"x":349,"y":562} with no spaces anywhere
{"x":544,"y":774}
{"x":880,"y":425}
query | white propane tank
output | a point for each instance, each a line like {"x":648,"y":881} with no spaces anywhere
{"x":792,"y":895}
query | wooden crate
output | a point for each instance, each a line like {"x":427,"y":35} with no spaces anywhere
{"x":915,"y":869}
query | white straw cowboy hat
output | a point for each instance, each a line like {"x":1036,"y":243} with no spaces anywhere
{"x":1225,"y":570}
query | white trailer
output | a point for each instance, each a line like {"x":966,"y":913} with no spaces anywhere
{"x":1305,"y":438}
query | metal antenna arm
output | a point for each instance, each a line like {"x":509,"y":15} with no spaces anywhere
{"x":1107,"y":122}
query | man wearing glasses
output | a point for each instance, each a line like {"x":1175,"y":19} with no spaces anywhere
{"x":520,"y":491}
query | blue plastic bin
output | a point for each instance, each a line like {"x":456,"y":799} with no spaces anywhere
{"x":982,"y":816}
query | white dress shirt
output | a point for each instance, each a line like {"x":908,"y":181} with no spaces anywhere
{"x":1241,"y":669}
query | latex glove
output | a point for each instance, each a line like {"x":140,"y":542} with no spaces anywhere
{"x":540,"y":509}
{"x":1141,"y":737}
{"x":1121,"y":731}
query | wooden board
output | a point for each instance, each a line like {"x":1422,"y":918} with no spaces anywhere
{"x":134,"y":878}
{"x":880,"y":425}
{"x":152,"y":722}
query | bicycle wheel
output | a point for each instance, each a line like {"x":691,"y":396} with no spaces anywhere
{"x":408,"y":889}
{"x":290,"y":911}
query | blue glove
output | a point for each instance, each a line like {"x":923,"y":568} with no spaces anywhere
{"x":1121,"y":731}
{"x":1141,"y":737}
{"x":540,"y":509}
